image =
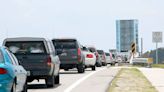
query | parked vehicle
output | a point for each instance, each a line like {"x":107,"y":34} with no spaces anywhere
{"x":109,"y":58}
{"x":12,"y":74}
{"x":102,"y":57}
{"x":37,"y":56}
{"x":72,"y":56}
{"x":93,"y":50}
{"x":90,"y":58}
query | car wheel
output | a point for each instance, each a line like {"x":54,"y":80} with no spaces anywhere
{"x":93,"y":68}
{"x":13,"y":87}
{"x":81,"y":69}
{"x":98,"y":64}
{"x":57,"y":79}
{"x":50,"y":81}
{"x":66,"y":69}
{"x":25,"y":87}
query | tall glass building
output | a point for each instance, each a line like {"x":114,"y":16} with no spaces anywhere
{"x":126,"y":34}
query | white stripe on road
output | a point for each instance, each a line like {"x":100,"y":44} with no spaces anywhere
{"x":81,"y":80}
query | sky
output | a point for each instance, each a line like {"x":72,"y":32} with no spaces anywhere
{"x":92,"y":22}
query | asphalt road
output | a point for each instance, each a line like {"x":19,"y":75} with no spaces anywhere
{"x":71,"y":81}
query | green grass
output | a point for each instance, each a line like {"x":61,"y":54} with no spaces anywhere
{"x":158,"y":65}
{"x":130,"y":80}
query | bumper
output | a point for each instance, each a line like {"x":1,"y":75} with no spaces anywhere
{"x":6,"y":86}
{"x":90,"y":62}
{"x":68,"y":66}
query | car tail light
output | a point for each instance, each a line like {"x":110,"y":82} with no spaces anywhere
{"x":3,"y":71}
{"x":89,"y":56}
{"x":49,"y":61}
{"x":79,"y":54}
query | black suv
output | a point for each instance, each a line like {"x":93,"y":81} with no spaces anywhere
{"x":72,"y":56}
{"x":37,"y":56}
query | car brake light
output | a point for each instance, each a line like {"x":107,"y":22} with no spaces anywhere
{"x":79,"y":54}
{"x":3,"y":71}
{"x":79,"y":51}
{"x":89,"y":56}
{"x":49,"y":61}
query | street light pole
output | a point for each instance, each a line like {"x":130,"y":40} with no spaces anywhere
{"x":141,"y":46}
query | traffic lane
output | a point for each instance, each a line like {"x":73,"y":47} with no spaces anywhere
{"x":67,"y":78}
{"x":99,"y":82}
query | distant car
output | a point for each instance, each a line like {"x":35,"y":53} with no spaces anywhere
{"x":102,"y":57}
{"x":12,"y":74}
{"x":38,"y":57}
{"x":93,"y":50}
{"x":109,"y":59}
{"x":72,"y":56}
{"x":90,"y":58}
{"x":119,"y":59}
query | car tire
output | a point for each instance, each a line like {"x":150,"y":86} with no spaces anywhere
{"x":98,"y":64}
{"x":66,"y":69}
{"x":57,"y":79}
{"x":93,"y":68}
{"x":50,"y":81}
{"x":13,"y":89}
{"x":81,"y":69}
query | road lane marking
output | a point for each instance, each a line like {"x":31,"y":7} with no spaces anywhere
{"x":81,"y":80}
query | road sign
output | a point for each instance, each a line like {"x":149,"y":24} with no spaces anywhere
{"x":157,"y":37}
{"x":133,"y":47}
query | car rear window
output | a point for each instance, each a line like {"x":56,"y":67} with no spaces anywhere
{"x":1,"y":57}
{"x":100,"y":51}
{"x":65,"y":44}
{"x":107,"y":54}
{"x":26,"y":47}
{"x":92,"y":49}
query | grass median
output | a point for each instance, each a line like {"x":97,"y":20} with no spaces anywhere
{"x":131,"y":80}
{"x":158,"y":65}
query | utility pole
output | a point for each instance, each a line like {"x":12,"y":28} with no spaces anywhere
{"x":141,"y":46}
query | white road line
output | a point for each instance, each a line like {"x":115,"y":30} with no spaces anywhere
{"x":81,"y":80}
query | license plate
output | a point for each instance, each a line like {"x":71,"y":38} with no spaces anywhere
{"x":28,"y":73}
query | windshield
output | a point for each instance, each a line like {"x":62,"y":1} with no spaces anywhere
{"x":26,"y":47}
{"x":92,"y":49}
{"x":65,"y":45}
{"x":100,"y":52}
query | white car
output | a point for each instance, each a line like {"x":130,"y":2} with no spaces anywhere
{"x":90,"y":58}
{"x":109,"y":58}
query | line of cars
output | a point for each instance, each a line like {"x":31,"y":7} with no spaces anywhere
{"x":25,"y":59}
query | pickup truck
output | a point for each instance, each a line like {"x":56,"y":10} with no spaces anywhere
{"x":37,"y":56}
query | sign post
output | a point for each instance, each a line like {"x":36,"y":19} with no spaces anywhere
{"x":157,"y":38}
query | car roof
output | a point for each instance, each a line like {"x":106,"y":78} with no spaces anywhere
{"x":27,"y":39}
{"x":64,"y":39}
